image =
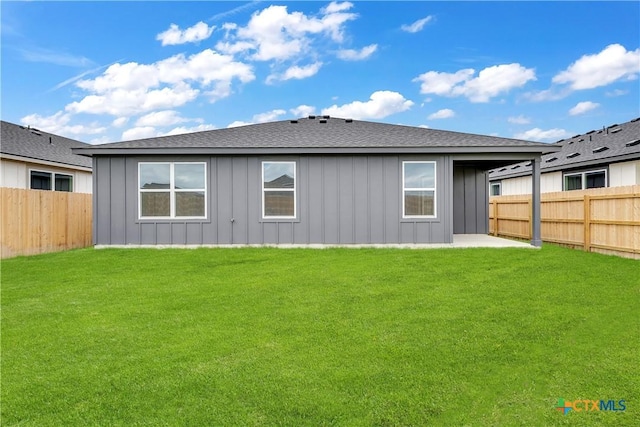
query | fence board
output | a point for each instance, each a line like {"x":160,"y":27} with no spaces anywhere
{"x":35,"y":221}
{"x":603,"y":220}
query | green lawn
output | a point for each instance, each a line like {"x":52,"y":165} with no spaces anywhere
{"x":364,"y":337}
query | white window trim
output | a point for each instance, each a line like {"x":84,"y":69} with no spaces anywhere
{"x":583,"y":180}
{"x":172,"y":192}
{"x":434,"y":189}
{"x":53,"y":179}
{"x":294,"y":190}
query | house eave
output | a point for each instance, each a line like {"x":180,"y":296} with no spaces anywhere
{"x":44,"y":162}
{"x":535,"y":151}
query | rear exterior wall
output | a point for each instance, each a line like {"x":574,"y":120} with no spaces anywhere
{"x":353,"y":199}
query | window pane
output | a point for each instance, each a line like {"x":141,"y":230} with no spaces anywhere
{"x":279,"y":203}
{"x":155,"y":204}
{"x":64,"y":183}
{"x":573,"y":182}
{"x":190,"y":203}
{"x":419,"y":175}
{"x":419,"y":203}
{"x":279,"y":175}
{"x":495,"y":189}
{"x":154,"y":176}
{"x":189,"y":176}
{"x":596,"y":180}
{"x":40,"y":180}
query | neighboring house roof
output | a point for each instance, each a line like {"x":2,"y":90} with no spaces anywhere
{"x":318,"y":134}
{"x":616,"y":143}
{"x":30,"y":144}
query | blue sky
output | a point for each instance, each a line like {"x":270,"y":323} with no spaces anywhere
{"x":110,"y":71}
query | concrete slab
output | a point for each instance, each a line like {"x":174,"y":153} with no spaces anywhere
{"x":485,"y":241}
{"x":459,"y":241}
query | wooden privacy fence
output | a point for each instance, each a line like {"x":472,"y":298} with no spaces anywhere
{"x":36,"y":221}
{"x":605,"y":220}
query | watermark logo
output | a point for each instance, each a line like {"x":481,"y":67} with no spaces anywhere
{"x":586,"y":405}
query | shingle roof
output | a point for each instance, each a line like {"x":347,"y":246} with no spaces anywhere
{"x":320,"y":132}
{"x":38,"y":145}
{"x":618,"y":142}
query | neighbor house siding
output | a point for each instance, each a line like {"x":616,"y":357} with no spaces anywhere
{"x":520,"y":185}
{"x":15,"y":174}
{"x":625,"y":173}
{"x":340,"y":200}
{"x":550,"y":182}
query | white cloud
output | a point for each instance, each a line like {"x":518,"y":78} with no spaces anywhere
{"x":303,"y":110}
{"x":122,"y":102}
{"x":274,"y":33}
{"x":139,"y":133}
{"x":60,"y":124}
{"x":132,"y":88}
{"x":381,"y":104}
{"x":537,"y":134}
{"x":442,"y":83}
{"x":296,"y":72}
{"x":357,"y":55}
{"x":416,"y":26}
{"x":442,"y":114}
{"x":120,"y":121}
{"x":583,"y":107}
{"x":616,"y":92}
{"x":552,"y":94}
{"x":613,"y":63}
{"x":174,"y":35}
{"x":490,"y":82}
{"x":238,"y":123}
{"x":100,"y":140}
{"x":160,"y":118}
{"x":519,"y":120}
{"x":181,"y":129}
{"x":268,"y":116}
{"x":334,"y":7}
{"x":259,"y":118}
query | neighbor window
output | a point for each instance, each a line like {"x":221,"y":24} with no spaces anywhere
{"x":172,"y":190}
{"x":419,"y":189}
{"x":278,"y":189}
{"x":585,"y":180}
{"x":40,"y":180}
{"x":495,"y":189}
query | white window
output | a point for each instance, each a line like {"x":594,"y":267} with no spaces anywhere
{"x":172,"y":190}
{"x":419,"y":189}
{"x":278,"y":190}
{"x":495,"y":189}
{"x":40,"y":180}
{"x":585,"y":180}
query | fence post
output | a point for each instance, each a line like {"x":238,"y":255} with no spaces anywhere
{"x":587,"y":223}
{"x":494,"y":204}
{"x":530,"y":211}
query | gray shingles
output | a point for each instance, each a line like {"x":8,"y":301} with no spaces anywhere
{"x":309,"y":133}
{"x":38,"y":145}
{"x":599,"y":146}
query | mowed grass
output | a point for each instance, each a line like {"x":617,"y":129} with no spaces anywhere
{"x":294,"y":337}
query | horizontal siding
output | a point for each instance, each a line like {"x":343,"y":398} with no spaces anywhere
{"x":14,"y":174}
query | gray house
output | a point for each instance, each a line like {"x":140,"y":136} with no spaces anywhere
{"x":317,"y":180}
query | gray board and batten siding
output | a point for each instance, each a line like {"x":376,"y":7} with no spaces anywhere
{"x":349,"y":184}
